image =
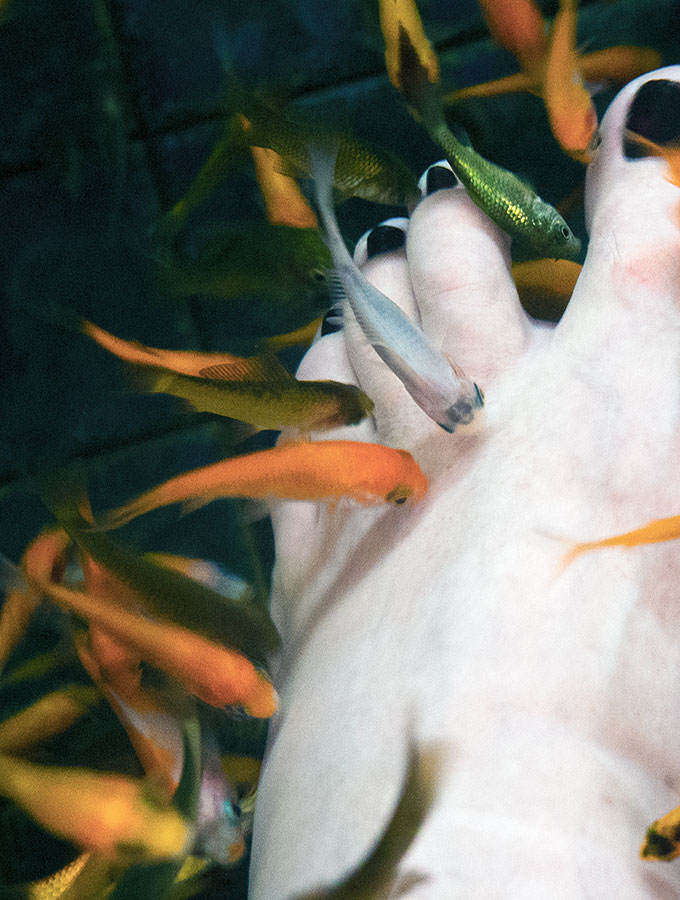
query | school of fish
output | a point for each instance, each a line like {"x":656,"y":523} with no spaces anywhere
{"x":197,"y":628}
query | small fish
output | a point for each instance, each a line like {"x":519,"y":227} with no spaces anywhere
{"x":51,"y":714}
{"x":216,"y":674}
{"x":444,"y":393}
{"x":654,"y":532}
{"x":249,"y":260}
{"x":373,"y":878}
{"x":115,"y":815}
{"x":506,"y":199}
{"x":669,"y":152}
{"x":284,"y":200}
{"x":545,"y":285}
{"x":518,"y":26}
{"x":323,"y":470}
{"x":44,"y":556}
{"x":273,"y":400}
{"x":363,"y":170}
{"x":621,"y":63}
{"x":572,"y":115}
{"x":164,"y":592}
{"x":662,"y":840}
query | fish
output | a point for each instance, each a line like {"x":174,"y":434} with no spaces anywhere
{"x":369,"y":473}
{"x":545,"y":285}
{"x":216,"y":674}
{"x":376,"y":873}
{"x":620,"y":63}
{"x":44,"y":556}
{"x":163,"y":592}
{"x":670,"y":152}
{"x":448,"y":396}
{"x":363,"y":170}
{"x":510,"y":202}
{"x":518,"y":26}
{"x":571,"y":113}
{"x":116,"y":815}
{"x":51,"y":714}
{"x":654,"y":532}
{"x":249,"y":260}
{"x":273,"y":400}
{"x":662,"y":840}
{"x":219,"y":830}
{"x":399,"y":17}
{"x":257,"y":390}
{"x":284,"y":200}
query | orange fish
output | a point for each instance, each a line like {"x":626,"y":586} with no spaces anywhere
{"x":653,"y":532}
{"x":518,"y":26}
{"x":621,"y":63}
{"x":218,"y":675}
{"x":398,"y":18}
{"x":669,"y":152}
{"x":43,"y":557}
{"x":284,"y":200}
{"x":325,"y":470}
{"x":571,"y":112}
{"x":110,"y":813}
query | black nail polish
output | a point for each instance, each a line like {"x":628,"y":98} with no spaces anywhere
{"x":655,"y":114}
{"x":332,"y":321}
{"x":439,"y":178}
{"x":384,"y":238}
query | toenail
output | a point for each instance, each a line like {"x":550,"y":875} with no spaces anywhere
{"x":655,"y":114}
{"x":439,"y":178}
{"x":384,"y":238}
{"x":332,"y":321}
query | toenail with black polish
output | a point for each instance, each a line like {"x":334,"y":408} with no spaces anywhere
{"x":439,"y":178}
{"x":332,"y":321}
{"x":655,"y":114}
{"x":384,"y":238}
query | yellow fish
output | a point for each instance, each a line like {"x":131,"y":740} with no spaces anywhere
{"x":654,"y":532}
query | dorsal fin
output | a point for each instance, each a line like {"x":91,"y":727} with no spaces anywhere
{"x":265,"y":367}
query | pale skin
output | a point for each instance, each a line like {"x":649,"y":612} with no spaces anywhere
{"x":552,"y":695}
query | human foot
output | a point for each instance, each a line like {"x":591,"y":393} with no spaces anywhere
{"x":551,"y":693}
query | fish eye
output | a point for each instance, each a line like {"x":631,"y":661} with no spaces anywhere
{"x":566,"y":233}
{"x":318,"y":275}
{"x":399,"y":494}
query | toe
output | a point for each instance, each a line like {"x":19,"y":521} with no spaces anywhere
{"x":627,"y":294}
{"x":459,"y":265}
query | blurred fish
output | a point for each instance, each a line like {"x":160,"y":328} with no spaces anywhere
{"x":399,"y":22}
{"x":518,"y":26}
{"x":376,"y":874}
{"x":325,"y":470}
{"x":662,"y":840}
{"x":283,"y":198}
{"x":115,"y":815}
{"x":621,"y":63}
{"x":44,"y":556}
{"x":363,"y":170}
{"x":506,"y":199}
{"x":218,"y":675}
{"x":49,"y":715}
{"x":654,"y":532}
{"x":572,"y":115}
{"x":545,"y":286}
{"x":669,"y":152}
{"x":252,"y":259}
{"x":219,"y":832}
{"x":443,"y":392}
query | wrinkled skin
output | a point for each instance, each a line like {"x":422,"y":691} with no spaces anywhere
{"x":553,"y":695}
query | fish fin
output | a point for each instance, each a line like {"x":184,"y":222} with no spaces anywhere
{"x":337,"y":294}
{"x":265,"y":367}
{"x":194,"y":503}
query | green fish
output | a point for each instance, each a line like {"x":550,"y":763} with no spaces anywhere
{"x":363,"y":170}
{"x":510,"y":202}
{"x":167,"y":593}
{"x":276,"y":263}
{"x":265,"y":395}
